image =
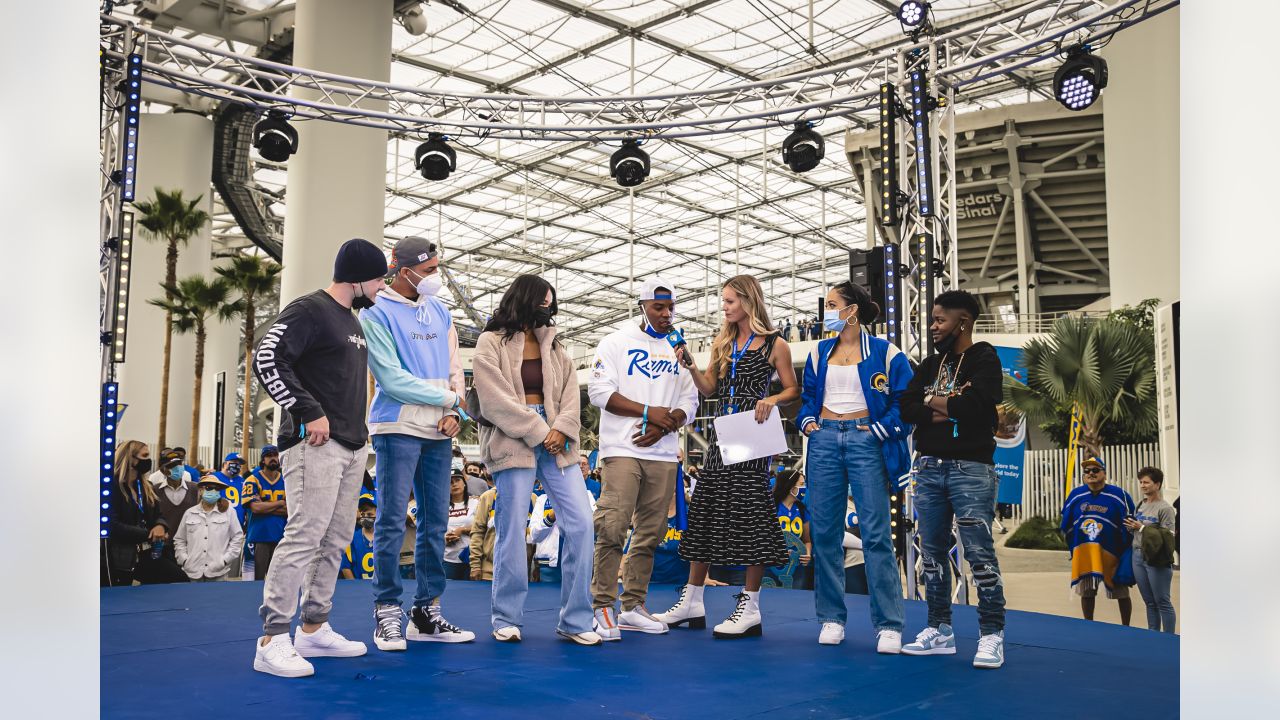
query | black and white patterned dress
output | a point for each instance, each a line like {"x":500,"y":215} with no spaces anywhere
{"x":732,"y":517}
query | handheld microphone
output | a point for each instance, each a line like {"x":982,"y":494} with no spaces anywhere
{"x":676,"y":339}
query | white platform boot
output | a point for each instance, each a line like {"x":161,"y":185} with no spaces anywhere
{"x":687,"y":610}
{"x":745,"y":620}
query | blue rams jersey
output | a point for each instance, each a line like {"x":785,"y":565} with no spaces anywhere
{"x":793,"y":519}
{"x":233,"y":493}
{"x":358,"y":557}
{"x":1094,"y":527}
{"x":268,"y":527}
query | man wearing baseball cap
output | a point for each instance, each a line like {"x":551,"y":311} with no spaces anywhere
{"x":264,"y":496}
{"x":313,"y":362}
{"x":644,"y":398}
{"x":413,"y":354}
{"x":1093,"y":523}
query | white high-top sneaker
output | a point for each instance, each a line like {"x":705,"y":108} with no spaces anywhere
{"x":688,"y":609}
{"x":745,"y":620}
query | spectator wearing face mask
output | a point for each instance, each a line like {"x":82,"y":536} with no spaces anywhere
{"x":474,"y":476}
{"x":134,"y":517}
{"x":462,"y":509}
{"x":173,"y":498}
{"x":193,"y":472}
{"x":231,"y":477}
{"x":357,"y":559}
{"x":265,"y":499}
{"x":209,"y":540}
{"x":167,"y":456}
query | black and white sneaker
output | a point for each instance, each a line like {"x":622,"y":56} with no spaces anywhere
{"x":388,"y":635}
{"x":427,"y":624}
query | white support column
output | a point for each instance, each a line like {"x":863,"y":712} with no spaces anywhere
{"x":175,"y":152}
{"x":337,"y":178}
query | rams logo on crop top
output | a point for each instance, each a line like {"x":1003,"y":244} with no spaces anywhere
{"x":880,"y":383}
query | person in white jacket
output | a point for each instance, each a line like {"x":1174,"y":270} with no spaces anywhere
{"x":544,"y":535}
{"x":209,"y":539}
{"x":645,"y":397}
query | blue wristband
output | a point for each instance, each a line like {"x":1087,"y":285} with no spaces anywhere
{"x":644,"y":425}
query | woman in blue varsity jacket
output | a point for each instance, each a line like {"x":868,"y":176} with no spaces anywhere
{"x":857,"y":447}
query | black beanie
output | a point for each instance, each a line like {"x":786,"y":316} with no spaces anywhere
{"x":359,"y":261}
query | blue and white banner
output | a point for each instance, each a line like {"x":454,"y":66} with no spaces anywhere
{"x":1011,"y":435}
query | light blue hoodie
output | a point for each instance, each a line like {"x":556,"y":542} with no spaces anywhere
{"x":413,"y":355}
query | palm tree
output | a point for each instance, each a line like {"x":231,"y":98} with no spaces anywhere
{"x":1106,"y":368}
{"x":190,"y":303}
{"x":169,"y":217}
{"x":252,"y":276}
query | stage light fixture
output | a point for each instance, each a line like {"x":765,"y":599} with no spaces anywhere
{"x":132,"y":115}
{"x":274,"y":138}
{"x":921,"y":105}
{"x":1080,"y":80}
{"x":107,"y":433}
{"x":888,"y":155}
{"x":120,"y":312}
{"x":413,"y":19}
{"x":629,"y":165}
{"x":913,"y":13}
{"x":803,"y":149}
{"x":890,"y":271}
{"x":434,"y":158}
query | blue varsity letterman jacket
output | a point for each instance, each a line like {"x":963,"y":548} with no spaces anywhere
{"x":884,"y":373}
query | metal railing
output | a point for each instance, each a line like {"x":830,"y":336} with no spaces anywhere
{"x":1045,"y":474}
{"x":1028,"y":323}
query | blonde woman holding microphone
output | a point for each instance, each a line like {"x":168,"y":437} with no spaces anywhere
{"x":732,"y":517}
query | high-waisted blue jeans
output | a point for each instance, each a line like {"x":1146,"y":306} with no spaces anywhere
{"x":844,"y":460}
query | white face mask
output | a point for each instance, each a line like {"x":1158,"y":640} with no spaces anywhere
{"x":429,"y":285}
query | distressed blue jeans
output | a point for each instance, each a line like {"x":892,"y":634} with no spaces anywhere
{"x":577,"y":541}
{"x":965,"y":490}
{"x":412,"y":463}
{"x":843,"y":460}
{"x":1155,"y":584}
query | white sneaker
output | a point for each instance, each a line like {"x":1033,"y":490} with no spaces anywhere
{"x":933,"y":641}
{"x":387,"y":633}
{"x":889,"y":642}
{"x":990,"y":651}
{"x":583,"y":638}
{"x":832,"y":634}
{"x":279,"y":658}
{"x":687,"y":610}
{"x":508,"y":634}
{"x":326,"y":642}
{"x":639,"y":619}
{"x":745,"y":620}
{"x":605,"y":624}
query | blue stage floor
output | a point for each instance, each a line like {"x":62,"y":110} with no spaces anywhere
{"x":186,"y":651}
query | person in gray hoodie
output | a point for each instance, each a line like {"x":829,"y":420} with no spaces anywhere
{"x":413,"y":355}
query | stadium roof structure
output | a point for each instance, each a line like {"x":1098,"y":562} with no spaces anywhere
{"x":714,"y":205}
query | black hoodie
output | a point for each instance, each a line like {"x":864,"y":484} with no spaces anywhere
{"x":973,"y":408}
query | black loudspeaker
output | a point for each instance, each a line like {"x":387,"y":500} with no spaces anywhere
{"x":866,"y":269}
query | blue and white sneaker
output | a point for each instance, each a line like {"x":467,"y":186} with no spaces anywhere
{"x":933,"y":641}
{"x":990,"y":651}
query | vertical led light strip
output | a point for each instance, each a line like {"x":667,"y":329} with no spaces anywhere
{"x":106,"y":455}
{"x":120,"y":317}
{"x":888,"y":156}
{"x":132,"y":105}
{"x":920,"y":125}
{"x":890,"y":271}
{"x":924,"y":272}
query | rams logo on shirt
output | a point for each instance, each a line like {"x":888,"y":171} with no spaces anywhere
{"x":1092,"y":529}
{"x":880,"y":383}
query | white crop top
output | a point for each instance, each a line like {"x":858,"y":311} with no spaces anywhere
{"x":843,"y":391}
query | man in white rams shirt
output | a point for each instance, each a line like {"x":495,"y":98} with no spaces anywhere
{"x":645,"y":398}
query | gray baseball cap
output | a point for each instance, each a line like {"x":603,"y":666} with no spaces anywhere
{"x":409,"y":252}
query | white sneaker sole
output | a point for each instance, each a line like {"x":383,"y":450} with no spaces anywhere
{"x":907,"y":650}
{"x":650,"y":631}
{"x":263,"y":667}
{"x":310,"y":652}
{"x":889,"y":650}
{"x":578,"y":641}
{"x":986,"y":665}
{"x":830,"y":641}
{"x":515,"y":638}
{"x":416,"y":636}
{"x":389,"y":645}
{"x":607,"y":636}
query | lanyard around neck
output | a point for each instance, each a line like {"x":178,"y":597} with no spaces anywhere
{"x":733,"y":369}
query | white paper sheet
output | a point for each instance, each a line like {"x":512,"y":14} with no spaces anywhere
{"x":741,"y":438}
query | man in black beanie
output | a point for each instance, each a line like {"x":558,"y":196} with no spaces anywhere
{"x":313,"y":363}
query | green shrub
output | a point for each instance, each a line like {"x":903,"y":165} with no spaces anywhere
{"x":1037,"y":533}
